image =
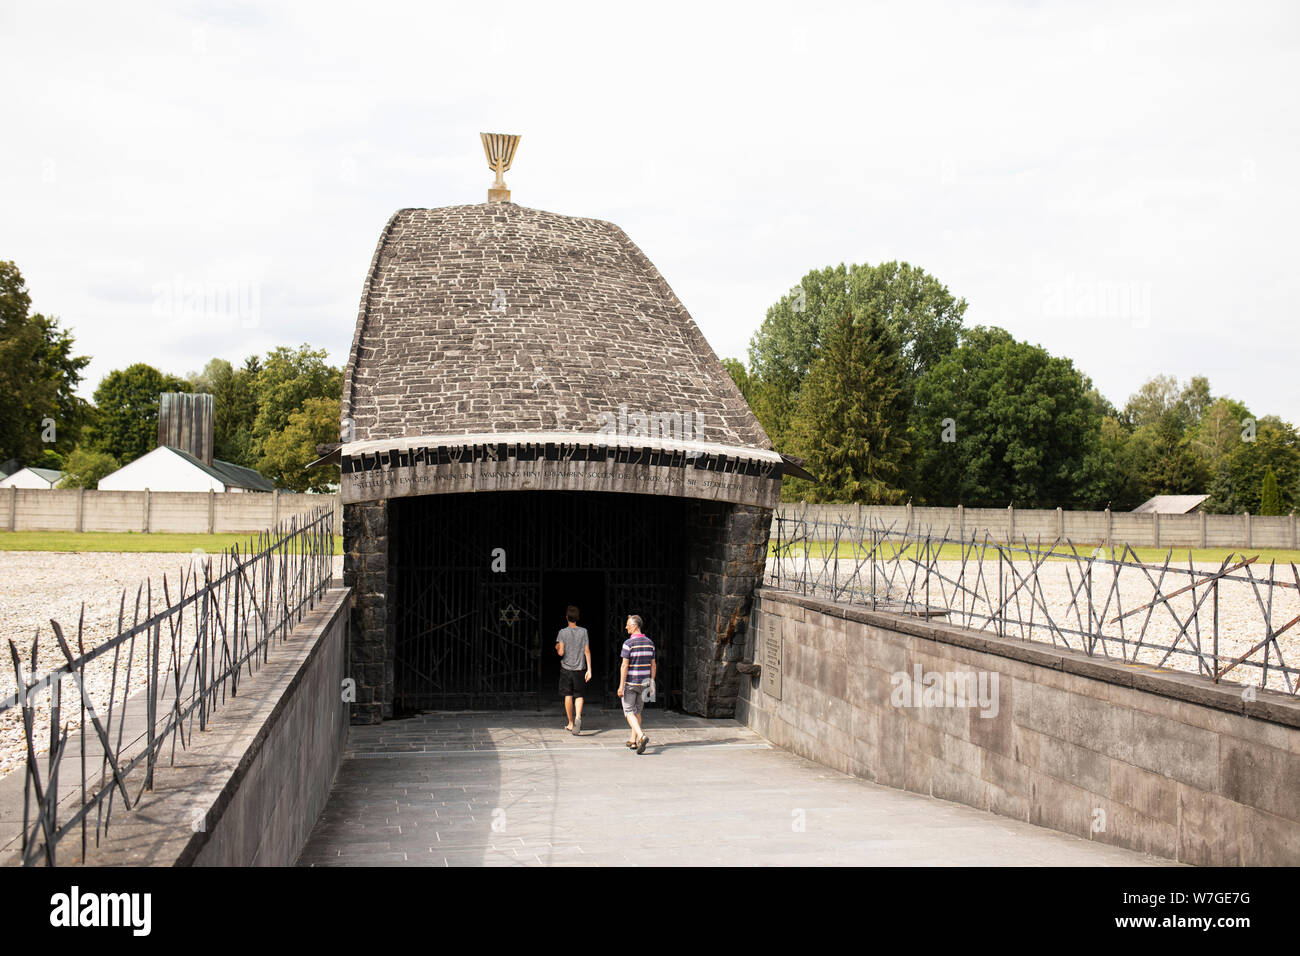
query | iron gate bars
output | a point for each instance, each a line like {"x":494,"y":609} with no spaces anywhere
{"x":135,"y":694}
{"x":1105,"y":604}
{"x":467,"y":581}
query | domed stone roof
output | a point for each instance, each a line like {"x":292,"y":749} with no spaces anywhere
{"x":497,"y":318}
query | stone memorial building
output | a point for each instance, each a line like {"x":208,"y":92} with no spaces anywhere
{"x":531,"y":419}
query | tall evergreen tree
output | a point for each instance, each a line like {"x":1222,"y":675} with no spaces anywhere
{"x":1270,"y":495}
{"x":852,"y":414}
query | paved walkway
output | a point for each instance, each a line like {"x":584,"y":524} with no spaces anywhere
{"x":515,"y":789}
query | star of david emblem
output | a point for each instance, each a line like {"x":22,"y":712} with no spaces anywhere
{"x":510,"y":614}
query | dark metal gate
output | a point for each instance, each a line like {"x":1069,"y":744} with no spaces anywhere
{"x":466,"y":579}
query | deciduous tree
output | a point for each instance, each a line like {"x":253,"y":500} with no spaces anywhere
{"x":40,"y":412}
{"x":1000,"y":421}
{"x":125,"y":424}
{"x":287,"y":453}
{"x":84,"y":467}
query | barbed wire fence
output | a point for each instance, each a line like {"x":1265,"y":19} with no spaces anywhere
{"x":1237,"y":619}
{"x":111,"y":713}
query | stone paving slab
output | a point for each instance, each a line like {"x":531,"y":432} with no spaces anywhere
{"x":515,"y":789}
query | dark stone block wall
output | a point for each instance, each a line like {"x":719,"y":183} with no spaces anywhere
{"x":726,"y":553}
{"x":365,"y":571}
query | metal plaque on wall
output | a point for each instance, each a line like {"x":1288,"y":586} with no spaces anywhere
{"x":773,"y":651}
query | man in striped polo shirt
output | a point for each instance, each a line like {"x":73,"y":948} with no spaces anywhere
{"x":635,"y":676}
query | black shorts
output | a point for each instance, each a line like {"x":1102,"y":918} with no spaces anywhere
{"x":572,"y":683}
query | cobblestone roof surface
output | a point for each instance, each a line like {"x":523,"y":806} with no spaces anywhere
{"x":499,"y":318}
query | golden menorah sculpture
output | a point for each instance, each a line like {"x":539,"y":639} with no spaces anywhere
{"x":500,"y":149}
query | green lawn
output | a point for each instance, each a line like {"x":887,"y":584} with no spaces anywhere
{"x":214,"y":543}
{"x":126,"y":541}
{"x":953,"y":552}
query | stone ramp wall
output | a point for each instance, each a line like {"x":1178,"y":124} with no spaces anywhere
{"x":248,"y":790}
{"x":1153,"y":760}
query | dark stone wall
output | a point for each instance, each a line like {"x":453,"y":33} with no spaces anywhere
{"x":727,"y":550}
{"x":365,"y":571}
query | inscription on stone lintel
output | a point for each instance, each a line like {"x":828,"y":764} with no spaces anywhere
{"x":505,"y":453}
{"x":506,"y":467}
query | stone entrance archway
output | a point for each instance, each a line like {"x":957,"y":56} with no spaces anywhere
{"x":434,"y":626}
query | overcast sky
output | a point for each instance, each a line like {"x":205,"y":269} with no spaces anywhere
{"x":1115,"y":182}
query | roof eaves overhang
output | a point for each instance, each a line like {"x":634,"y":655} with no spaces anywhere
{"x":608,"y":440}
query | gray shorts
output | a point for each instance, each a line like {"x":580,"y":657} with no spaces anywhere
{"x":634,"y":697}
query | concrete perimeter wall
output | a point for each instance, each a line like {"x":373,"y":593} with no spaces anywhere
{"x":1080,"y":527}
{"x":183,"y":512}
{"x":197,"y":512}
{"x":248,"y":790}
{"x":1157,"y":761}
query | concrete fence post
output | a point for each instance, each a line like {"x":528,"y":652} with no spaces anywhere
{"x":1155,"y":528}
{"x":275,"y":508}
{"x":1060,"y":524}
{"x":1293,"y":531}
{"x":961,"y":523}
{"x":1205,"y":536}
{"x":909,"y":515}
{"x":1011,"y":524}
{"x":13,"y":509}
{"x":146,"y":510}
{"x":212,"y":510}
{"x":1249,"y":544}
{"x":81,"y":511}
{"x":338,"y":513}
{"x":1110,"y":525}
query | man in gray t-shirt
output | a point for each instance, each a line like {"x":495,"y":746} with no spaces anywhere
{"x":574,"y":648}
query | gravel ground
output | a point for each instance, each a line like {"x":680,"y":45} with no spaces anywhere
{"x":36,"y":586}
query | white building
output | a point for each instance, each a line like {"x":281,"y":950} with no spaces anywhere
{"x":170,"y":469}
{"x":33,"y":478}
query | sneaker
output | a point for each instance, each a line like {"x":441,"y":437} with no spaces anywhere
{"x":640,"y":744}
